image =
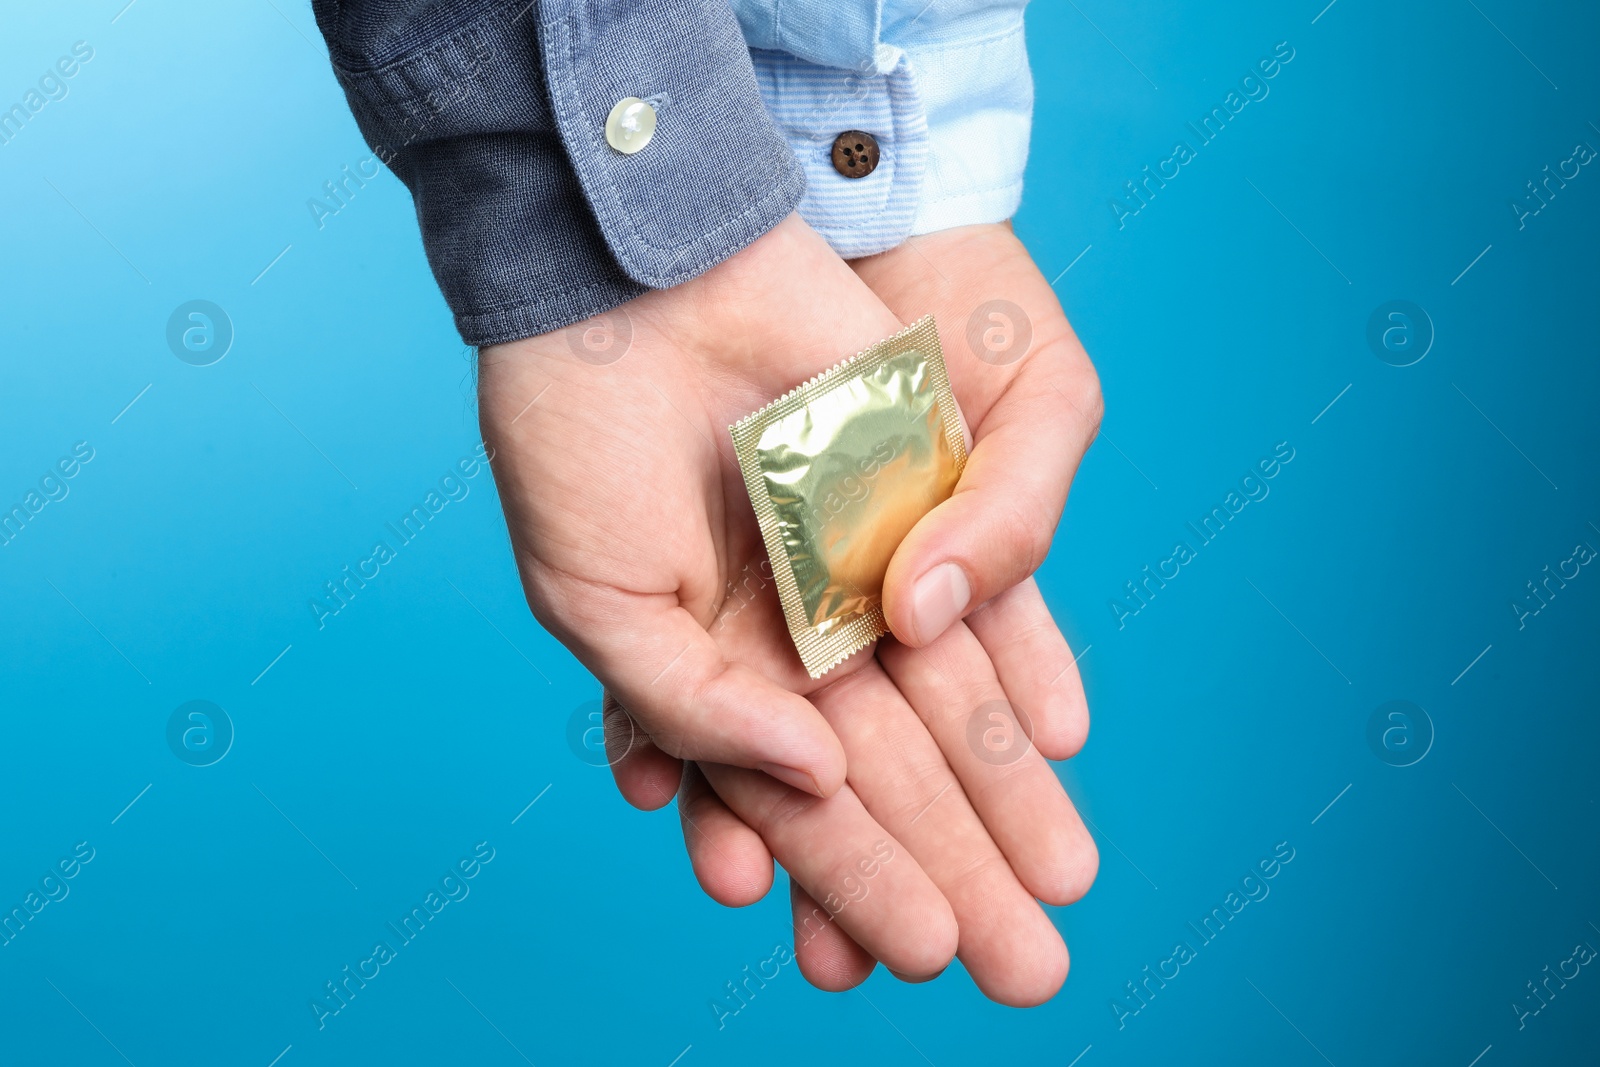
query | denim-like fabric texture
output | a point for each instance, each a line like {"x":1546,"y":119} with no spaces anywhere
{"x":717,"y":173}
{"x":530,"y":220}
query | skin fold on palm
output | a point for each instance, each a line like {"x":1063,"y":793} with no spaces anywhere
{"x":638,"y":550}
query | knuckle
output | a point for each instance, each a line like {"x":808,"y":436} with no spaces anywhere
{"x":672,"y":743}
{"x":1024,"y":534}
{"x":1039,"y":631}
{"x":696,"y":805}
{"x":670,"y":725}
{"x":1094,"y":401}
{"x":979,"y":876}
{"x":927,"y":786}
{"x":1005,"y":783}
{"x":782,"y":811}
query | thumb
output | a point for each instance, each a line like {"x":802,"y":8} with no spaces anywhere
{"x":659,"y":664}
{"x":996,"y":528}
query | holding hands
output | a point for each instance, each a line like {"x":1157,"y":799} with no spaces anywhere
{"x":633,"y":531}
{"x":642,"y":162}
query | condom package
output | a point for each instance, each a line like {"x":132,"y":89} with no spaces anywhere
{"x":839,"y":470}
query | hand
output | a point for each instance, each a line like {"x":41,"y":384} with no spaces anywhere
{"x":1033,"y":407}
{"x":912,"y":771}
{"x":623,"y":579}
{"x":632,"y":526}
{"x":628,"y":515}
{"x":986,"y":825}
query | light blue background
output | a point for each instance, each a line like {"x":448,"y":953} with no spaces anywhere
{"x":429,"y":713}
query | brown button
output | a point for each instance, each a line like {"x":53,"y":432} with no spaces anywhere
{"x":855,"y":154}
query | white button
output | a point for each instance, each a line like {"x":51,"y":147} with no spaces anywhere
{"x":630,"y":125}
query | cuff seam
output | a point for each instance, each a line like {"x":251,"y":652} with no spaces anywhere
{"x":782,"y":179}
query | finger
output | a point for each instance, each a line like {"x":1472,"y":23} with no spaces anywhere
{"x":1035,"y":667}
{"x":1007,"y":943}
{"x":646,"y":777}
{"x":730,"y":860}
{"x":995,"y":529}
{"x":865,"y":879}
{"x":693,"y":702}
{"x":828,"y":958}
{"x":955,"y":692}
{"x":1037,"y":407}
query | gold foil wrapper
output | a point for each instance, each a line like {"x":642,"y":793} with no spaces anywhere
{"x":839,"y":470}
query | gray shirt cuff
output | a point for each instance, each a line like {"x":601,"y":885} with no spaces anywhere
{"x":493,"y":114}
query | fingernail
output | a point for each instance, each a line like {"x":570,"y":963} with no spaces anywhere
{"x":791,"y":777}
{"x":938,"y":599}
